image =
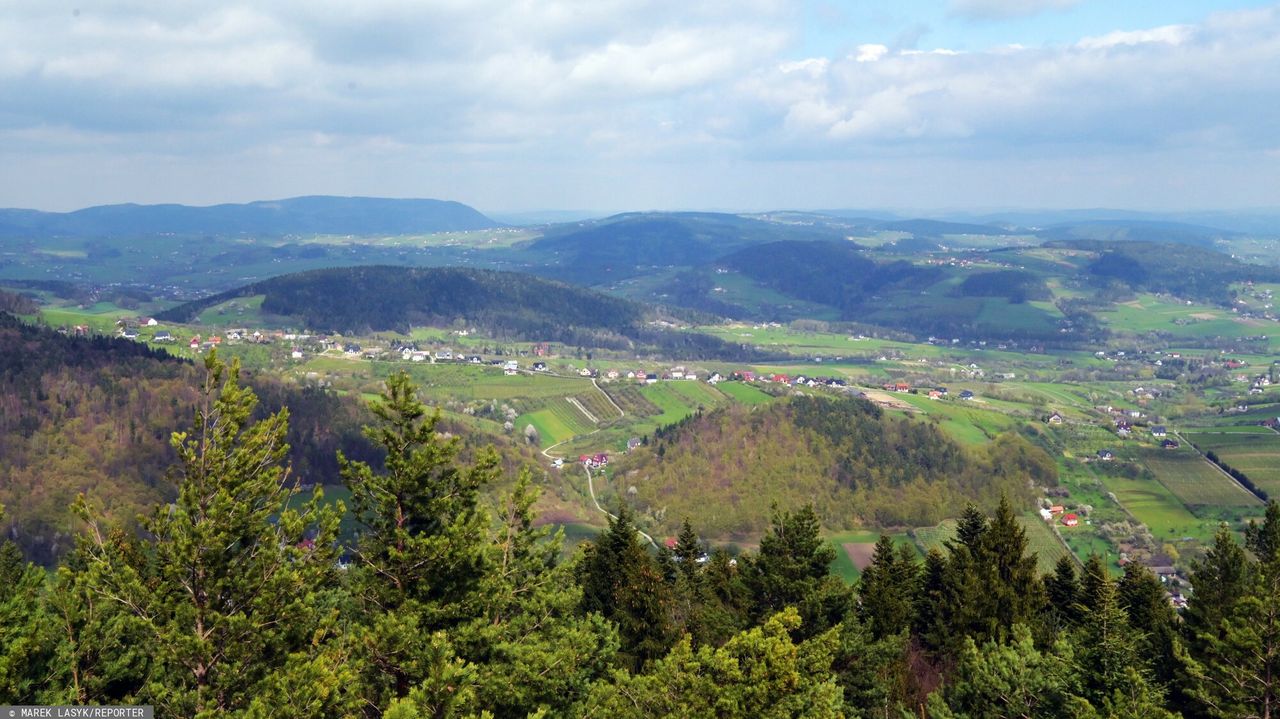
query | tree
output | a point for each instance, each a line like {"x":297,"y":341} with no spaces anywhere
{"x":1012,"y":681}
{"x":621,"y":581}
{"x":1062,"y":595}
{"x":25,"y":630}
{"x":528,"y":646}
{"x":421,"y":554}
{"x":235,"y":589}
{"x":758,"y":673}
{"x":887,"y":589}
{"x":793,"y":569}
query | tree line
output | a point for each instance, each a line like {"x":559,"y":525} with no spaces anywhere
{"x":235,"y":601}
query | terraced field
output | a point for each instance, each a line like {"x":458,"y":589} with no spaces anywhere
{"x":597,"y":404}
{"x":1257,"y":454}
{"x":1041,"y":540}
{"x":1196,"y":482}
{"x":632,"y":400}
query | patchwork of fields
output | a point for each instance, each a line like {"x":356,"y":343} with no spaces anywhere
{"x":1256,"y":453}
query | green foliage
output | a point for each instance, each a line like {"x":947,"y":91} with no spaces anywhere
{"x":233,"y":592}
{"x":758,"y":673}
{"x":792,"y":570}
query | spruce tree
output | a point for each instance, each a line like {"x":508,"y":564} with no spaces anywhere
{"x":793,"y":569}
{"x":235,"y":590}
{"x":421,"y":552}
{"x":1062,"y":595}
{"x":623,"y":582}
{"x":528,"y":647}
{"x":887,"y":590}
{"x":26,"y":639}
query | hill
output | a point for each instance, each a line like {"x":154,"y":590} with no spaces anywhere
{"x":626,"y":245}
{"x":353,"y":300}
{"x":859,"y":466}
{"x":1181,"y":270}
{"x":298,"y":215}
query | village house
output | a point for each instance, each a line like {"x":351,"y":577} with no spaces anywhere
{"x":966,"y":395}
{"x":1158,"y":430}
{"x":1169,"y":444}
{"x":1054,"y":418}
{"x":1070,"y":520}
{"x":1106,"y":455}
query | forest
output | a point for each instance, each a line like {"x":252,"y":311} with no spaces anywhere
{"x":235,"y":600}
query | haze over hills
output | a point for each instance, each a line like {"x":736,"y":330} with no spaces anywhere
{"x":297,"y":215}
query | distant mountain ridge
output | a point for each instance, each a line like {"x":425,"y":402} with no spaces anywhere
{"x":317,"y":214}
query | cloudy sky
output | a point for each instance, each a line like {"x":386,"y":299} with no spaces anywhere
{"x":513,"y":105}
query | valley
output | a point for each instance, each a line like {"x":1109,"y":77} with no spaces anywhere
{"x":1123,"y":387}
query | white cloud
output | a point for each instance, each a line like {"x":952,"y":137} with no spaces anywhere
{"x":469,"y":87}
{"x":870,"y":53}
{"x":1168,"y":35}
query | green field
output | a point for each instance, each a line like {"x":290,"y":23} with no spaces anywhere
{"x":1155,"y":506}
{"x":843,"y":565}
{"x":1196,"y":482}
{"x":1257,"y":454}
{"x":1043,"y":542}
{"x":928,"y":538}
{"x":743,"y":393}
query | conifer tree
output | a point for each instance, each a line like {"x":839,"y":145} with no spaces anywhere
{"x":1062,"y":595}
{"x":1015,"y":592}
{"x":623,"y":582}
{"x":1235,"y":670}
{"x":1106,"y":645}
{"x":25,"y":629}
{"x":528,"y":647}
{"x":235,"y":590}
{"x":887,"y":590}
{"x":1150,"y":614}
{"x":793,"y":569}
{"x":421,"y":555}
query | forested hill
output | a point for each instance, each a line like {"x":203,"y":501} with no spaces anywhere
{"x":298,"y":215}
{"x":625,"y":245}
{"x":1182,"y":270}
{"x":856,"y":464}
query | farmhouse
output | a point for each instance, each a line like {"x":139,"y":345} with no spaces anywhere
{"x":1054,"y":418}
{"x":1169,"y":444}
{"x":1106,"y":455}
{"x":1158,"y":431}
{"x":163,"y":336}
{"x":966,"y":395}
{"x":1070,"y":520}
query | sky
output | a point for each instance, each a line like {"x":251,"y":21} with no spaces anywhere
{"x":610,"y":105}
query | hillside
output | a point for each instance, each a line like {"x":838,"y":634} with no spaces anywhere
{"x":359,"y":299}
{"x":858,"y":465}
{"x":626,"y":245}
{"x":298,"y":215}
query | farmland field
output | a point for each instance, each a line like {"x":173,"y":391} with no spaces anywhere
{"x":632,"y":400}
{"x":743,"y":393}
{"x":1155,"y":506}
{"x":1043,"y":542}
{"x":1254,"y":453}
{"x":859,"y":540}
{"x":1195,"y":481}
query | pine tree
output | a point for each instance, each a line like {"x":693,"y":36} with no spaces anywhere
{"x":1106,"y":645}
{"x":758,"y":673}
{"x":1015,"y":592}
{"x":887,"y":590}
{"x":1150,"y":614}
{"x":1093,"y":578}
{"x":235,"y":590}
{"x":528,"y":647}
{"x":1062,"y":595}
{"x":25,"y":628}
{"x":1235,"y":665}
{"x":421,"y":553}
{"x":621,"y":581}
{"x":793,"y":569}
{"x":689,"y":551}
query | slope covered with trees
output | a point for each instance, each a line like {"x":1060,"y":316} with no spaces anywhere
{"x":724,"y":469}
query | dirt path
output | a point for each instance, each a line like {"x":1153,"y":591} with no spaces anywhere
{"x":591,"y":487}
{"x":574,"y":401}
